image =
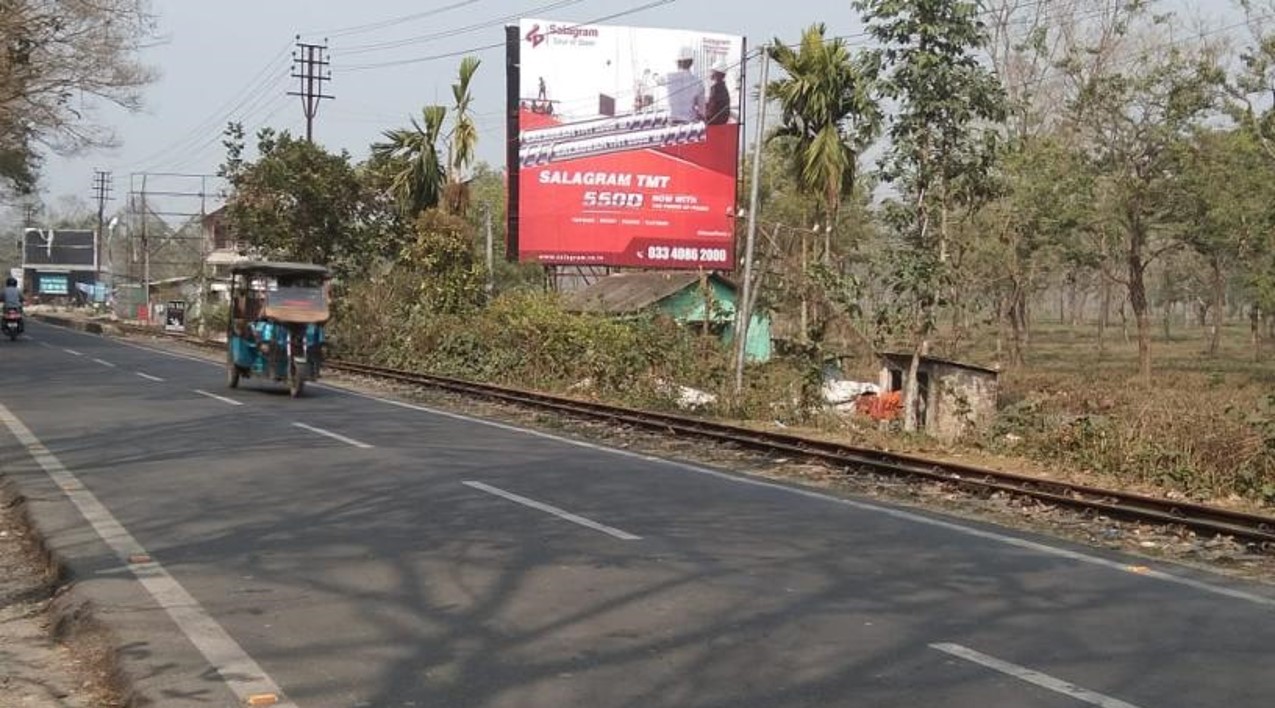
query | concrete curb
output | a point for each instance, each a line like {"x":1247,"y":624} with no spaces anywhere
{"x":80,"y":325}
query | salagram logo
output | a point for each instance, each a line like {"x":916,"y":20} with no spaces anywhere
{"x":536,"y":36}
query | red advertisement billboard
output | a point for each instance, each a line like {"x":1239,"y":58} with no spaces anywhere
{"x":628,"y":145}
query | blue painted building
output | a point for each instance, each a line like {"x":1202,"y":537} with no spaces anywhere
{"x":698,"y":300}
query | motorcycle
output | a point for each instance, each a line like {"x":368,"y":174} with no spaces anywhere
{"x":12,"y":323}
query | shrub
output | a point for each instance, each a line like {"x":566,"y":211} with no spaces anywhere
{"x":1204,"y":441}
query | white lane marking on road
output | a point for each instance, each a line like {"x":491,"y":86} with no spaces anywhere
{"x":105,"y":363}
{"x":240,"y":672}
{"x":46,"y":345}
{"x":72,"y":352}
{"x":130,"y":345}
{"x":1031,"y":676}
{"x":1034,"y":546}
{"x":174,"y":355}
{"x":549,"y":509}
{"x":148,"y":377}
{"x":214,"y":396}
{"x":335,"y":436}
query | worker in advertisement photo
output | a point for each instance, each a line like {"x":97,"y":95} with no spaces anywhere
{"x":718,"y":110}
{"x":685,"y":90}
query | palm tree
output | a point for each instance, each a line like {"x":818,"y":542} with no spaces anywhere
{"x":411,"y":162}
{"x":828,"y":112}
{"x":463,"y":139}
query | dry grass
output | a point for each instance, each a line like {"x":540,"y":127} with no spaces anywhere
{"x":1203,"y":426}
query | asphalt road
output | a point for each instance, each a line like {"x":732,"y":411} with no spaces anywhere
{"x":346,"y":551}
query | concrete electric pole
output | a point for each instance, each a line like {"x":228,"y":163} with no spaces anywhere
{"x":102,"y":193}
{"x":310,"y":66}
{"x":743,"y":312}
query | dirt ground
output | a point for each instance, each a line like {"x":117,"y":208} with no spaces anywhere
{"x":36,"y":670}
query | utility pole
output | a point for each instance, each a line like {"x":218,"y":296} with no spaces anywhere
{"x":102,"y":193}
{"x":311,"y":67}
{"x":743,"y":308}
{"x":491,"y":273}
{"x":146,"y":257}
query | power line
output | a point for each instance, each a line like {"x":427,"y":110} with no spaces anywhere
{"x":497,"y":45}
{"x":220,"y":114}
{"x":445,"y":34}
{"x":391,"y":22}
{"x":248,"y":120}
{"x":265,"y":95}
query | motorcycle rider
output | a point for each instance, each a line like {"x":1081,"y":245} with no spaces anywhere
{"x":13,"y":299}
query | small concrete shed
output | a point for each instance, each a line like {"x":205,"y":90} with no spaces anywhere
{"x":953,"y":397}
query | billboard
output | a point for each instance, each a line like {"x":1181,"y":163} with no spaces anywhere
{"x":627,"y":147}
{"x":69,"y":248}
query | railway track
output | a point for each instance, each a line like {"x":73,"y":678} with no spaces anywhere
{"x":1202,"y":519}
{"x":1253,"y":529}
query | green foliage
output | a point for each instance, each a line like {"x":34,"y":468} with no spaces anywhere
{"x":828,"y":112}
{"x":442,"y":260}
{"x":522,"y":339}
{"x":214,"y":319}
{"x":408,"y":164}
{"x":1227,"y":197}
{"x":1135,"y":125}
{"x":946,"y":99}
{"x":942,"y":137}
{"x":463,"y":138}
{"x":298,"y":201}
{"x":19,"y":163}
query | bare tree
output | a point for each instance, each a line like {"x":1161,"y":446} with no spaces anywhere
{"x":59,"y":61}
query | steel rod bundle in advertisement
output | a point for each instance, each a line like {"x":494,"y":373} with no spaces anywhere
{"x":545,"y":153}
{"x":601,"y":126}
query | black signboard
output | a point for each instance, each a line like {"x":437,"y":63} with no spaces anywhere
{"x":175,"y":316}
{"x":57,"y":247}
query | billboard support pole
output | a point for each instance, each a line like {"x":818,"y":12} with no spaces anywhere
{"x":513,"y":194}
{"x":743,"y":310}
{"x":491,"y":273}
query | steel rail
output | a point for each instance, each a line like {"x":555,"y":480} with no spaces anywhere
{"x":1116,"y":504}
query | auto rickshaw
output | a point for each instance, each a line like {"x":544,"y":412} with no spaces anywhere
{"x":275,"y":328}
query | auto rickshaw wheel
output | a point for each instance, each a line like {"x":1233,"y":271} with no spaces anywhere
{"x":296,"y":383}
{"x":232,"y":375}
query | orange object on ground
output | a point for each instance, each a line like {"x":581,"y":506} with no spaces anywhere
{"x":881,"y":406}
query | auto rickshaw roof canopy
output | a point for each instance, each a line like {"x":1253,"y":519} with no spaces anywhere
{"x":277,"y":268}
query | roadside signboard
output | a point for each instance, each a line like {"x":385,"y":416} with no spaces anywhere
{"x":628,"y":145}
{"x":175,"y":316}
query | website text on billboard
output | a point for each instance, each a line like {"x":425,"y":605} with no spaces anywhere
{"x":627,"y":145}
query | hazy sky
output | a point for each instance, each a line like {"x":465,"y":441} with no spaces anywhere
{"x":231,"y":59}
